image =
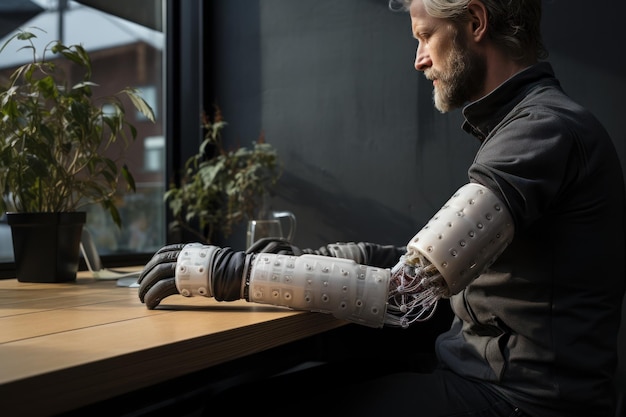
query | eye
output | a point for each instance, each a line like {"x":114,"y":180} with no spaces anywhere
{"x":422,"y":37}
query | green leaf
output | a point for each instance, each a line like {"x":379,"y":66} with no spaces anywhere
{"x":140,"y":104}
{"x":52,"y":137}
{"x":220,"y":187}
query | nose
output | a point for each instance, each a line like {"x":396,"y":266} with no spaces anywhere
{"x":422,"y":58}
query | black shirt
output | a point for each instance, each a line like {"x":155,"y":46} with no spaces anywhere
{"x":540,"y":325}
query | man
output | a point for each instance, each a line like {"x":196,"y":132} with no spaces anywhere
{"x":534,"y":332}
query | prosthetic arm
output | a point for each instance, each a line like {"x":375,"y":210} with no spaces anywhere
{"x":466,"y":236}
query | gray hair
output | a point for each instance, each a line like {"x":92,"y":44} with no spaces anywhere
{"x":514,"y":25}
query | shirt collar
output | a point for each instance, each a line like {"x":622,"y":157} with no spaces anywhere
{"x":482,"y":115}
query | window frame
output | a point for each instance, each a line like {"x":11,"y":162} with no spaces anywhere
{"x":183,"y":103}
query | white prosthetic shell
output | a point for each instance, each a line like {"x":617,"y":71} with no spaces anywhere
{"x":465,"y":236}
{"x":341,"y":287}
{"x":192,"y":270}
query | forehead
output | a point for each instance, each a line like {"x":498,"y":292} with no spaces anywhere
{"x":420,"y":19}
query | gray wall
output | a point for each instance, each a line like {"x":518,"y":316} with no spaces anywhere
{"x":332,"y":86}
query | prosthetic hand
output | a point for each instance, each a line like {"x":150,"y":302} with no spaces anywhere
{"x":457,"y":244}
{"x":277,"y":273}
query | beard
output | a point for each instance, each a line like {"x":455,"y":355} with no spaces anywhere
{"x":462,"y":77}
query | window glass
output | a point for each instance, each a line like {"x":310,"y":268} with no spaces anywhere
{"x":126,"y":43}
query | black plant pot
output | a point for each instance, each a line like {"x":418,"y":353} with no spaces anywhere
{"x":46,"y":245}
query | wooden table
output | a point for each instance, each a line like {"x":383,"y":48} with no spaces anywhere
{"x":64,"y":346}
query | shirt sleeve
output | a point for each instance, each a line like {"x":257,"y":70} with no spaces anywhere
{"x":528,"y":161}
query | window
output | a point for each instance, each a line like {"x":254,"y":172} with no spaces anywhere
{"x":154,"y":154}
{"x":126,"y":42}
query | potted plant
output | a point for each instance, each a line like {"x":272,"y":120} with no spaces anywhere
{"x":56,"y":145}
{"x":221,"y":187}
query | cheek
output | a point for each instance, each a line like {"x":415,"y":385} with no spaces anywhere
{"x":438,"y":59}
{"x":440,"y":53}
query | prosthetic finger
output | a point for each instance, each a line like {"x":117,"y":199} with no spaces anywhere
{"x":166,"y":254}
{"x":153,"y":276}
{"x":160,"y":290}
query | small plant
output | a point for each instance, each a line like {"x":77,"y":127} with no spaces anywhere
{"x":220,"y":187}
{"x":55,"y":138}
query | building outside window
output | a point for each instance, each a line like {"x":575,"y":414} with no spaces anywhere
{"x":126,"y":43}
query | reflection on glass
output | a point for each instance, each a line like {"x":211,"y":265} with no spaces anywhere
{"x":125,"y":52}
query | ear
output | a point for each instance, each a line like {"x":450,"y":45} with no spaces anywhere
{"x":478,"y":20}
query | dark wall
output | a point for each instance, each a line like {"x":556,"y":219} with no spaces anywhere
{"x":331,"y":84}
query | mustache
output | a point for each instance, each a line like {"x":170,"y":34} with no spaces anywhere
{"x":431,"y":74}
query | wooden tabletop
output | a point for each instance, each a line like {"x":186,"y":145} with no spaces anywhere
{"x":63,"y":346}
